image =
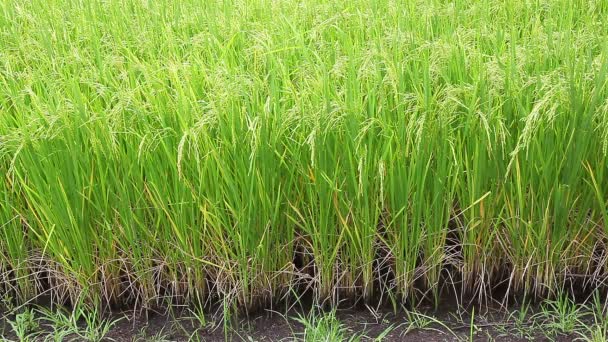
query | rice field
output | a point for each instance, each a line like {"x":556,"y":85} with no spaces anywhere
{"x":250,"y":151}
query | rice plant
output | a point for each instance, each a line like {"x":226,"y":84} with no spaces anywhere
{"x":154,"y":152}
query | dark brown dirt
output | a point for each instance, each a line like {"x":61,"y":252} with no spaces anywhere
{"x":272,"y":326}
{"x":269,"y":326}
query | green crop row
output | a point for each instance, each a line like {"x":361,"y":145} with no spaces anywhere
{"x":248,"y":150}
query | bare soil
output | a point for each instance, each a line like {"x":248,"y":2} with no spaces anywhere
{"x":368,"y":324}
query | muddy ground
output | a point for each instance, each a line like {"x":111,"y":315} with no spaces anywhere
{"x":366,"y":324}
{"x":429,"y":325}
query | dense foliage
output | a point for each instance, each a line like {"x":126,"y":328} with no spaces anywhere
{"x":248,"y":150}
